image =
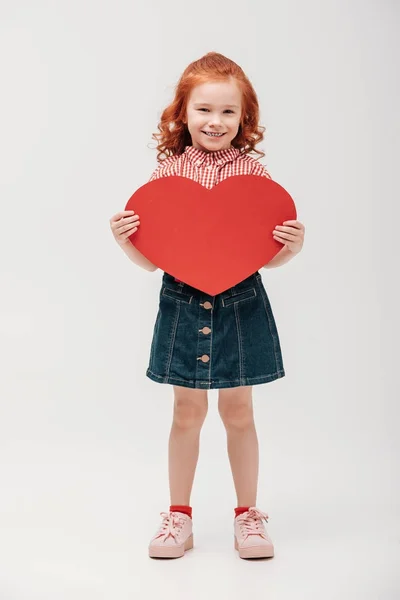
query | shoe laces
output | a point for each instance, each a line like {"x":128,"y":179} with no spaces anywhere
{"x":251,"y":522}
{"x":171,"y":525}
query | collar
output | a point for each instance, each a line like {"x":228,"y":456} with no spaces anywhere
{"x":202,"y":158}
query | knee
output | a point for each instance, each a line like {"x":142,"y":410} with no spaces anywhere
{"x":237,"y":416}
{"x":189,"y":414}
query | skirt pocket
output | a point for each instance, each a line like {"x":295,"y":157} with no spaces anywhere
{"x":239,"y":296}
{"x":176,"y":295}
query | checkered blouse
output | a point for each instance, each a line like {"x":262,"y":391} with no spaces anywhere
{"x":209,"y":168}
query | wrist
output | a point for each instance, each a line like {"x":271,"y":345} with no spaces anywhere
{"x":282,"y":257}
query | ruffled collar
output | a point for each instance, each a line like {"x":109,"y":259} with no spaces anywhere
{"x":202,"y":158}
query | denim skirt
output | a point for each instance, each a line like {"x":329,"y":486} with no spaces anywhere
{"x":210,"y":342}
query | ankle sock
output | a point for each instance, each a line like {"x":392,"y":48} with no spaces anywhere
{"x":186,"y":510}
{"x":240,"y":510}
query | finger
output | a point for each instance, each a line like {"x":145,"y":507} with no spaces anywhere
{"x":128,"y":234}
{"x":126,"y":220}
{"x":119,"y":225}
{"x":125,"y":237}
{"x":278,"y":239}
{"x":120,"y":215}
{"x":127,"y":228}
{"x":286,"y":229}
{"x":287,"y":236}
{"x":295,"y":224}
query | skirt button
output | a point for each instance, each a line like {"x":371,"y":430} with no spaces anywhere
{"x":205,"y":330}
{"x":205,"y":358}
{"x":207,"y":305}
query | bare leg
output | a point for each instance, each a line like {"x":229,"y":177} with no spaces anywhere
{"x":235,"y":406}
{"x":190,"y":410}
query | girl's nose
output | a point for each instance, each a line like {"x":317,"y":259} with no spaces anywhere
{"x":215,"y":120}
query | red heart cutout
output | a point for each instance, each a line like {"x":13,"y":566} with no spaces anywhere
{"x":210,"y":239}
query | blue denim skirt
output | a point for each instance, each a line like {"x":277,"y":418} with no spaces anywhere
{"x":209,"y":342}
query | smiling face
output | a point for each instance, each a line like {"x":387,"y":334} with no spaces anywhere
{"x":213,"y":114}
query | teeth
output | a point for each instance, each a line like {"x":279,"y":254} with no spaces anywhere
{"x":214,"y":134}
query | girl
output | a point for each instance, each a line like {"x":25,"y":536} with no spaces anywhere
{"x":200,"y":342}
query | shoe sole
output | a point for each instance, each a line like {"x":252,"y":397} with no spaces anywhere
{"x":171,"y":551}
{"x":255,"y":551}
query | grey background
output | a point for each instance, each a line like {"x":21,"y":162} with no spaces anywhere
{"x":83,"y":433}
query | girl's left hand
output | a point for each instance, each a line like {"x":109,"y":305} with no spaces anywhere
{"x":291,"y":233}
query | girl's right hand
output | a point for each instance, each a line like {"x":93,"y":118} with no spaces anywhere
{"x":123,"y":225}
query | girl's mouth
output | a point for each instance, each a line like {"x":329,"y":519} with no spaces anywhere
{"x":209,"y":134}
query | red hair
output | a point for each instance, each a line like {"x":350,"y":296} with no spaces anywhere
{"x":174,"y":135}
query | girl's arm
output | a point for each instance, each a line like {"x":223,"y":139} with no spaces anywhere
{"x":123,"y":225}
{"x":283,"y":256}
{"x":137,"y":257}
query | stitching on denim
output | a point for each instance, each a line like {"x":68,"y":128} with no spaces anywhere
{"x":211,"y":339}
{"x":247,"y":380}
{"x":165,"y":288}
{"x":280,"y":372}
{"x":273,"y":335}
{"x":153,"y":341}
{"x":238,"y":294}
{"x":198,"y":335}
{"x":172,"y":342}
{"x":239,"y":334}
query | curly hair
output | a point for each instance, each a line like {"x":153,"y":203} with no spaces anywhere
{"x":173,"y":134}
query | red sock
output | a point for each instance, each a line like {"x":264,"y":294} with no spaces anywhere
{"x":240,"y":510}
{"x":186,"y":510}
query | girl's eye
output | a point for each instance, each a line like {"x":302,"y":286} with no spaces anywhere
{"x":228,"y":110}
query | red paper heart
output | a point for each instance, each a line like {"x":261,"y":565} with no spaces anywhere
{"x":210,"y":239}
